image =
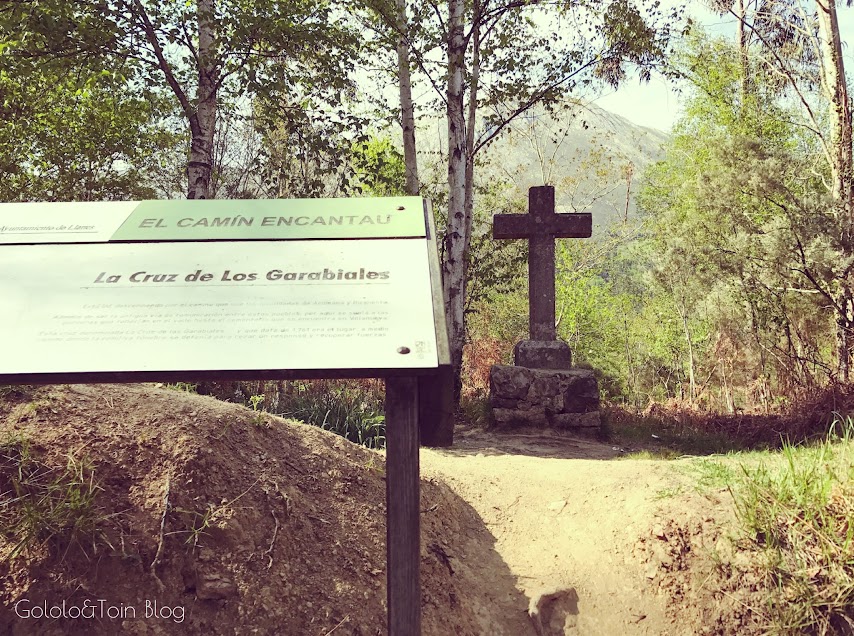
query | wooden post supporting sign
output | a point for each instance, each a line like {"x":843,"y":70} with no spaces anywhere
{"x":403,"y":523}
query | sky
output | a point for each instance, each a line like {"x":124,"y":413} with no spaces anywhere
{"x":657,"y":105}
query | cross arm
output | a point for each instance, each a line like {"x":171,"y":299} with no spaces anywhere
{"x":510,"y":226}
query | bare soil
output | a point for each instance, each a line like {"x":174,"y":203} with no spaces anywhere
{"x":599,"y":544}
{"x":243,"y":523}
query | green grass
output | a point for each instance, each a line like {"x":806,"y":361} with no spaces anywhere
{"x":347,"y":408}
{"x":652,"y":454}
{"x":42,"y":505}
{"x":795,"y":510}
{"x":351,"y":408}
{"x":800,"y":517}
{"x":711,"y":472}
{"x":662,"y":440}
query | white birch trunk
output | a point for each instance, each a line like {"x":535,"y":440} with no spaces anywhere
{"x":471,"y":123}
{"x":407,"y":111}
{"x":203,"y":120}
{"x":453,"y":265}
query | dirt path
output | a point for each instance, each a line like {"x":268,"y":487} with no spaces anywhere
{"x":568,"y":520}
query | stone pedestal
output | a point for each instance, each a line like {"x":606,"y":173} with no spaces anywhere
{"x":555,"y":398}
{"x":542,"y":354}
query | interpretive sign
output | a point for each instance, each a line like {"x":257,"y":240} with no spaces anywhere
{"x":247,"y":303}
{"x":160,"y":290}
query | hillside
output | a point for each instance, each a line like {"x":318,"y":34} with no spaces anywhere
{"x":591,"y":156}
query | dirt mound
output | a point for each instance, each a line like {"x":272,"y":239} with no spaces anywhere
{"x":208,"y":518}
{"x":690,"y":562}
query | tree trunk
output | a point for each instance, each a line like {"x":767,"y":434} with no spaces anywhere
{"x":471,"y":122}
{"x":203,"y":121}
{"x":742,"y":53}
{"x":407,"y":112}
{"x":435,"y":393}
{"x":845,"y":331}
{"x":835,"y":88}
{"x":453,"y":265}
{"x":692,"y":381}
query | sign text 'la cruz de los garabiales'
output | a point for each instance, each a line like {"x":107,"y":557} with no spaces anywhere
{"x":173,"y":286}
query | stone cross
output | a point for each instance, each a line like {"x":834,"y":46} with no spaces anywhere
{"x":541,"y":226}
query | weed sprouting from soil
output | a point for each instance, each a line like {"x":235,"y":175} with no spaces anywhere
{"x":213,"y":515}
{"x":186,"y":387}
{"x":43,"y":505}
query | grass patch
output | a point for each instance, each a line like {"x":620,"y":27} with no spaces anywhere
{"x":652,"y":454}
{"x":709,"y":472}
{"x":352,"y":409}
{"x":41,"y":505}
{"x":796,"y":513}
{"x":661,"y":438}
{"x":475,"y":410}
{"x":669,"y":493}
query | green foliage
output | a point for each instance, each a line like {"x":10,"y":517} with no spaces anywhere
{"x":663,"y":437}
{"x":556,"y":62}
{"x":741,"y":243}
{"x":379,"y":168}
{"x":78,"y":134}
{"x":353,"y":409}
{"x":311,"y":153}
{"x":43,"y":505}
{"x":295,"y":57}
{"x":629,"y":38}
{"x":344,"y":408}
{"x":495,"y":268}
{"x":256,"y":402}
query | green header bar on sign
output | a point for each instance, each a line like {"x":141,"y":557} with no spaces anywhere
{"x":271,"y":219}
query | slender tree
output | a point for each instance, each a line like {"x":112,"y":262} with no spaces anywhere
{"x":407,"y":108}
{"x":834,"y":85}
{"x":197,"y":51}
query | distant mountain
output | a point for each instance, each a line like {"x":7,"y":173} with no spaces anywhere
{"x":593,"y":158}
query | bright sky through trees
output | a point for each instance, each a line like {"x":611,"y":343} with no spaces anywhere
{"x":657,"y":104}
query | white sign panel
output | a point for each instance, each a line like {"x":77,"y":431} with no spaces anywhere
{"x":216,"y":306}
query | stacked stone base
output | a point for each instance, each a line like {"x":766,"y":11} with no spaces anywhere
{"x":553,"y":398}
